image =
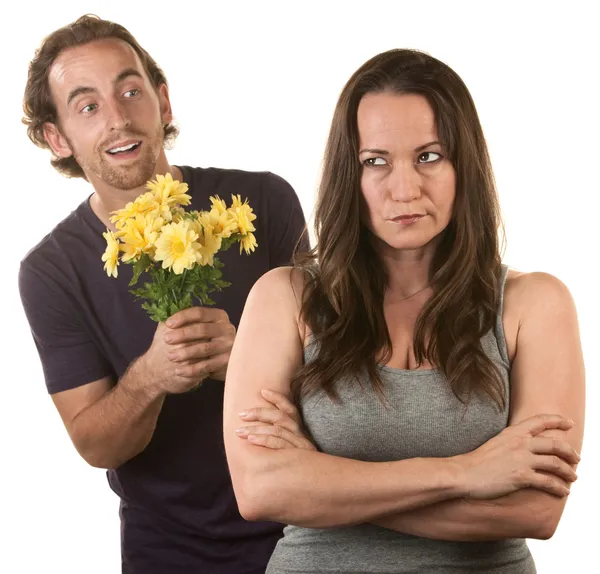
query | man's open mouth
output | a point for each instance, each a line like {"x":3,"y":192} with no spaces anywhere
{"x":124,"y":148}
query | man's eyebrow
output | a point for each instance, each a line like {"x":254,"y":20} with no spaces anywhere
{"x":126,"y":74}
{"x":78,"y":91}
{"x":88,"y":90}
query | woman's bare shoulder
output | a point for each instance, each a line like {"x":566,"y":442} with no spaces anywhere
{"x":282,"y":282}
{"x":283,"y":287}
{"x":529,"y":296}
{"x":536,"y":289}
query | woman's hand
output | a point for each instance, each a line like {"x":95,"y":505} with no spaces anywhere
{"x":280,"y":426}
{"x":518,"y":458}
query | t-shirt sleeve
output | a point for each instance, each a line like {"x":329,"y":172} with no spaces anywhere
{"x":286,"y":223}
{"x":69,"y":357}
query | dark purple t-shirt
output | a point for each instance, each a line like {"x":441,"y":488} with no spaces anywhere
{"x":178,"y":510}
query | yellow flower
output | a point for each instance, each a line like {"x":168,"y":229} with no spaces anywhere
{"x":177,"y":247}
{"x":210,"y":242}
{"x":111,"y":255}
{"x":236,"y":201}
{"x":178,"y":214}
{"x":144,"y":204}
{"x":222,"y":223}
{"x":168,"y":191}
{"x":218,"y":204}
{"x":248,"y":243}
{"x":139,"y":234}
{"x":243,"y":215}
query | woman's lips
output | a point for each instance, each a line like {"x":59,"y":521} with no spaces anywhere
{"x":408,"y":219}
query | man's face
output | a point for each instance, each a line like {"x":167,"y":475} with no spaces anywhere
{"x":110,"y":116}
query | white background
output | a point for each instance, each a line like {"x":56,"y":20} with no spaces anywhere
{"x":253,"y":86}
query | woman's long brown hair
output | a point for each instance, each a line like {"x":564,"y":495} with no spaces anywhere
{"x":342,"y":302}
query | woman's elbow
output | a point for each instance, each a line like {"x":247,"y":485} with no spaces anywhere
{"x":251,"y":507}
{"x":265,"y":483}
{"x":251,"y":490}
{"x":545,"y":531}
{"x":253,"y":504}
{"x":545,"y":523}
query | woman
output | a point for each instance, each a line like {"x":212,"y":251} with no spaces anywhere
{"x":444,"y":392}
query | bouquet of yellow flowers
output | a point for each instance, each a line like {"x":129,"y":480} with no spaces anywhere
{"x":177,"y":248}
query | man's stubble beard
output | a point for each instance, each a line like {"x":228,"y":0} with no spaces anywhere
{"x":130,"y":177}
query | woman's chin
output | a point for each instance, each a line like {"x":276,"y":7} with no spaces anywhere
{"x":405,"y":243}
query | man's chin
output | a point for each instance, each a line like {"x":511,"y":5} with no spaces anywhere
{"x":127,"y":178}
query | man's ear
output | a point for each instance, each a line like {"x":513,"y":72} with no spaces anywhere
{"x":58,"y":143}
{"x":166,"y":113}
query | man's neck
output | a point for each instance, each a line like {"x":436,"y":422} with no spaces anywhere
{"x":103,"y":203}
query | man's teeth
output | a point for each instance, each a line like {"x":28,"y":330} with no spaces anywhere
{"x":122,"y":148}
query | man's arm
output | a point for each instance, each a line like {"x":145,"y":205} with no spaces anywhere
{"x":109,"y":424}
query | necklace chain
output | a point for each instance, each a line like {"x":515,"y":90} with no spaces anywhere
{"x":412,"y":295}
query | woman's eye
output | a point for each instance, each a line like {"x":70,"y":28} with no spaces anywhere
{"x":373,"y":161}
{"x":428,"y":157}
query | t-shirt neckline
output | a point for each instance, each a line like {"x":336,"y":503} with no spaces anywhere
{"x":96,"y":222}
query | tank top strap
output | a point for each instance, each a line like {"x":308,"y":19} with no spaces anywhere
{"x":499,"y":328}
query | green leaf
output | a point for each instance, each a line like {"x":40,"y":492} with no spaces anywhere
{"x":167,"y":293}
{"x":139,"y":267}
{"x":227,"y":242}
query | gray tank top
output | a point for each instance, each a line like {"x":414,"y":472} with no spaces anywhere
{"x":422,"y":418}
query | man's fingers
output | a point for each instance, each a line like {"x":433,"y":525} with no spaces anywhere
{"x":199,"y":350}
{"x":198,"y":331}
{"x":197,"y":315}
{"x":201,"y":369}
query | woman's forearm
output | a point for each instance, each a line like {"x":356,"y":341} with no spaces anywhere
{"x":524,"y":514}
{"x":340,"y":491}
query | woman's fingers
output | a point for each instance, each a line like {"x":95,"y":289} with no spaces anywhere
{"x":273,"y":436}
{"x":272,"y":416}
{"x":549,"y":483}
{"x":555,"y":446}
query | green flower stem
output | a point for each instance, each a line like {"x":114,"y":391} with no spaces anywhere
{"x":167,"y":293}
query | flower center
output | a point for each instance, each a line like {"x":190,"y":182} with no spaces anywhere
{"x":178,"y":248}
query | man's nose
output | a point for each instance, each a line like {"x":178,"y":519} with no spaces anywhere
{"x":118,"y":117}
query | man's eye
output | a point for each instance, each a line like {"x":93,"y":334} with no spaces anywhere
{"x":132,"y":93}
{"x":428,"y":157}
{"x":89,"y":108}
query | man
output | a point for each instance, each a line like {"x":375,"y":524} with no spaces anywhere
{"x":100,"y":103}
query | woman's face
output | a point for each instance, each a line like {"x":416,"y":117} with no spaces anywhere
{"x":407,"y":183}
